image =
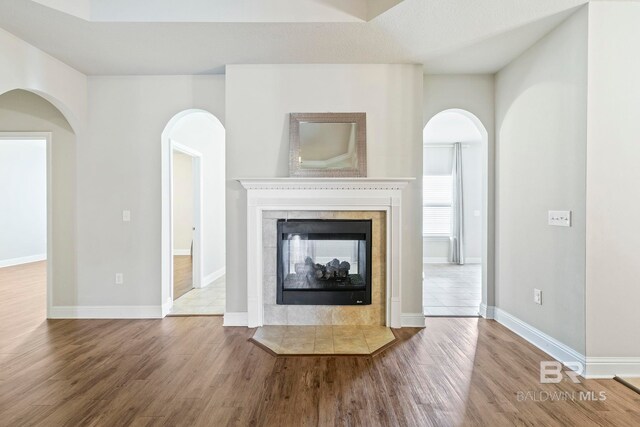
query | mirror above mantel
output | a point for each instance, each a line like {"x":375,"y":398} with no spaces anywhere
{"x":328,"y":145}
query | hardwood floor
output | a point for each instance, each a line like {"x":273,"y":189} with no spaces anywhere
{"x":182,"y":275}
{"x":191,"y":371}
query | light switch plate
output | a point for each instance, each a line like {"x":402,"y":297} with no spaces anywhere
{"x":126,"y":216}
{"x":119,"y":278}
{"x":560,"y":218}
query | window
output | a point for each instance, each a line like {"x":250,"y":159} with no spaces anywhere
{"x":436,"y":205}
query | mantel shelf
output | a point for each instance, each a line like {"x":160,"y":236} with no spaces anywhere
{"x":325,"y":183}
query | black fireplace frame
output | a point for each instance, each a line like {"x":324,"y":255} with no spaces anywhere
{"x":345,"y":228}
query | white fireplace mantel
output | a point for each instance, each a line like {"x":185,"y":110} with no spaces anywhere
{"x":324,"y":194}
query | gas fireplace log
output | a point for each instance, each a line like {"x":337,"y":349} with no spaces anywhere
{"x":332,"y":270}
{"x":344,"y":265}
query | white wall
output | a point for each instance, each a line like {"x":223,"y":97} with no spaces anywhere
{"x":23,"y":191}
{"x":541,"y":123}
{"x":119,"y":167}
{"x":182,"y":203}
{"x":475,"y":94}
{"x":613,"y":205}
{"x":259,"y":100}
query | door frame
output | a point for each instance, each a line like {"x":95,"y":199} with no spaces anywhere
{"x":196,"y":161}
{"x":48,"y":138}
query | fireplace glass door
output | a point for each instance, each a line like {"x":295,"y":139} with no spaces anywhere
{"x":324,"y":262}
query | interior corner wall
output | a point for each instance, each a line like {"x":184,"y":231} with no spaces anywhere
{"x":541,"y":126}
{"x":259,"y":100}
{"x":119,"y":167}
{"x":613,"y":205}
{"x":26,"y":112}
{"x":475,"y":94}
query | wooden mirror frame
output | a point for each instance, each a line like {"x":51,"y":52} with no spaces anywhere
{"x":360,"y":119}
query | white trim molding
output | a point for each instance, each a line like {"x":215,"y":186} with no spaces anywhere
{"x":324,"y":194}
{"x":210,"y":278}
{"x":412,"y":320}
{"x":609,"y":367}
{"x":167,"y":306}
{"x":594,"y":367}
{"x":236,"y":319}
{"x":22,"y":260}
{"x":107,"y":312}
{"x":181,"y":252}
{"x":554,"y":348}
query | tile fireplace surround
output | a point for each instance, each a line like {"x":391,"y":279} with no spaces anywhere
{"x":328,"y":198}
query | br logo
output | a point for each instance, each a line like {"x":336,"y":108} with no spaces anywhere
{"x":551,"y":372}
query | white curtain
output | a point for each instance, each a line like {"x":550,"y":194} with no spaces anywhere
{"x":457,"y":208}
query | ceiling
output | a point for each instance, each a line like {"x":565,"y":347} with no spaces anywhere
{"x":445,"y":36}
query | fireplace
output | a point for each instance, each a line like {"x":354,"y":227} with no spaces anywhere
{"x":324,"y":262}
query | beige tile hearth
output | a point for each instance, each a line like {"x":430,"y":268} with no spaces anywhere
{"x":328,"y":340}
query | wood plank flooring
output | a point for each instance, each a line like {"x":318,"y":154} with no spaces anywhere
{"x":182,"y":275}
{"x":191,"y":371}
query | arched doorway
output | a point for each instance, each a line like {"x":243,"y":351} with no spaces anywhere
{"x":455,"y":214}
{"x":37,"y":228}
{"x":193,"y":214}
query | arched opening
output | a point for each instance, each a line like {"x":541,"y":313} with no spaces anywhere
{"x":455,"y":214}
{"x":193,"y":215}
{"x":37,"y":221}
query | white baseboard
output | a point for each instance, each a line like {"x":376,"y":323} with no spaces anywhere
{"x":181,"y":252}
{"x":486,"y":311}
{"x":435,"y":260}
{"x":236,"y":319}
{"x":22,"y":260}
{"x":473,"y":260}
{"x":554,"y":348}
{"x":412,"y":320}
{"x":609,"y":367}
{"x":594,"y":367}
{"x":106,"y":312}
{"x":210,"y":278}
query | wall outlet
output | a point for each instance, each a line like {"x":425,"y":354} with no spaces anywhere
{"x":560,"y":218}
{"x":126,"y":216}
{"x":537,"y":296}
{"x":119,"y":278}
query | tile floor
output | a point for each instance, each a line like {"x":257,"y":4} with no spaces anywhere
{"x":209,"y":300}
{"x":452,"y":290}
{"x":324,"y":339}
